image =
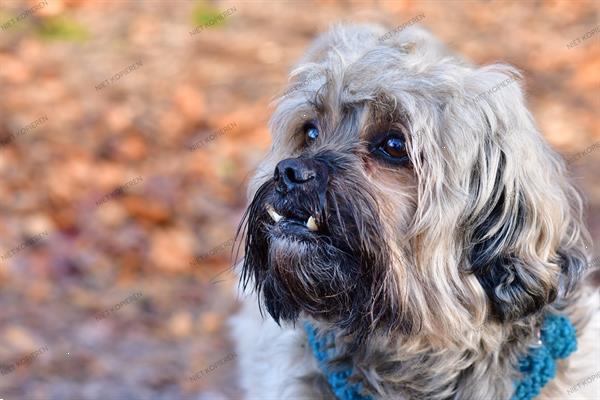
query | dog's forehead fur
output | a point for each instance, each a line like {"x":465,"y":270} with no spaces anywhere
{"x":351,"y":70}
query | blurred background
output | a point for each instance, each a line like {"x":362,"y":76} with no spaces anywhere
{"x":128,"y":132}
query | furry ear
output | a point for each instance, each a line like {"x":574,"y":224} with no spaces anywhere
{"x":516,"y":286}
{"x":524,"y":227}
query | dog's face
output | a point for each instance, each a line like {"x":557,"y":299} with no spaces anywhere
{"x":398,"y":199}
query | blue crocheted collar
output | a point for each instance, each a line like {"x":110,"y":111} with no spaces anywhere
{"x":538,"y":367}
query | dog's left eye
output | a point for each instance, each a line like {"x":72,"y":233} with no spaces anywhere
{"x":393,"y":149}
{"x":311,"y":132}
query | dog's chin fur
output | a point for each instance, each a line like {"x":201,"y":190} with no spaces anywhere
{"x":436,"y":273}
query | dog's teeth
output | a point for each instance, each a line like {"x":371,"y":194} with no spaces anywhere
{"x":276,"y":217}
{"x":311,"y":224}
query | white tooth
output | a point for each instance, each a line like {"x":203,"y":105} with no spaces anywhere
{"x":276,"y":217}
{"x":311,"y":224}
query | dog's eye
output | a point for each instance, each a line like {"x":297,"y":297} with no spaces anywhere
{"x":393,"y":149}
{"x":311,"y":132}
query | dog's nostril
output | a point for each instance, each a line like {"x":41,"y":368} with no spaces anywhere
{"x":290,"y":174}
{"x":297,"y":176}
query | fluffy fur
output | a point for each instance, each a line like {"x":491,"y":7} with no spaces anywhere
{"x":435,"y":274}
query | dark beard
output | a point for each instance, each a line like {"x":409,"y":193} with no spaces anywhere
{"x":339,"y":274}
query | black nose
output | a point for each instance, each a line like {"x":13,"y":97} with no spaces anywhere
{"x":294,"y":173}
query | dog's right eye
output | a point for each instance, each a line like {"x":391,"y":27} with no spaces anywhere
{"x":392,"y":148}
{"x":311,"y":132}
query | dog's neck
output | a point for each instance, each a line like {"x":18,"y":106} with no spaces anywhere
{"x":414,"y":367}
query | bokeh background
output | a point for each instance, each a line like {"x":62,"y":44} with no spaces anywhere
{"x":128,"y":132}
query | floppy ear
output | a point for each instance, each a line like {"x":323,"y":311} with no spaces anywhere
{"x":524,"y":230}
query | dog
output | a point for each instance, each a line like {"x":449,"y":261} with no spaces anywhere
{"x":410,"y":207}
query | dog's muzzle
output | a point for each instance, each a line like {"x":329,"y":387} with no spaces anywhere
{"x":300,"y":193}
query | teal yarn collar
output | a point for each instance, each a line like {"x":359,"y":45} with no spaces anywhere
{"x":557,"y":341}
{"x":323,"y":347}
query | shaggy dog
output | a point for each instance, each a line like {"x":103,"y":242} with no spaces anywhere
{"x":410,"y":205}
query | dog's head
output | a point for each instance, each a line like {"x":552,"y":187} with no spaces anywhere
{"x":408,"y":191}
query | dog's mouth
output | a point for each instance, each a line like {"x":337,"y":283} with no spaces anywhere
{"x":290,"y":223}
{"x":317,"y":248}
